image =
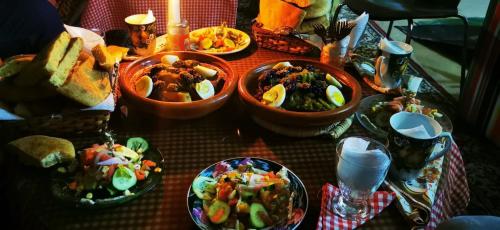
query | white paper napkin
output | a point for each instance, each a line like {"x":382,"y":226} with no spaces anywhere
{"x":360,"y":168}
{"x":416,"y":132}
{"x":414,"y":83}
{"x":358,"y":30}
{"x":90,"y":39}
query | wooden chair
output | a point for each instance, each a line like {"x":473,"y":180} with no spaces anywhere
{"x":391,"y":10}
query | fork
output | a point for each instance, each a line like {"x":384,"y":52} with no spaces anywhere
{"x":340,"y":30}
{"x":320,"y":31}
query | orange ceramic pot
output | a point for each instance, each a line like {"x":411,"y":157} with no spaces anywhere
{"x":247,"y":87}
{"x":177,"y":110}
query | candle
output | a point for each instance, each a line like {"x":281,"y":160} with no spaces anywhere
{"x":174,"y":12}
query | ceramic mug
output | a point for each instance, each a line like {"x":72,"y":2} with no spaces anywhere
{"x":142,"y":32}
{"x":392,"y":63}
{"x":413,"y":150}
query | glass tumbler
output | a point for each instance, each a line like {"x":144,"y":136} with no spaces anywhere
{"x":178,"y":36}
{"x":362,"y":166}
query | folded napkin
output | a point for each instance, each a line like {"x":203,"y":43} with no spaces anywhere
{"x":329,"y":220}
{"x":415,"y":198}
{"x":90,"y":39}
{"x":358,"y":30}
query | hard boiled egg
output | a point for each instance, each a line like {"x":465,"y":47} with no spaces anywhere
{"x":334,"y":96}
{"x":144,"y":86}
{"x":205,"y":89}
{"x":169,"y":59}
{"x":205,"y":71}
{"x":275,"y":96}
{"x":332,"y":81}
{"x":282,"y":65}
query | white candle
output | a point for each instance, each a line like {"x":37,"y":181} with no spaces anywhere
{"x":174,"y":12}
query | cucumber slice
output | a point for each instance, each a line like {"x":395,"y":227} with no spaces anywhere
{"x":123,"y":178}
{"x":218,"y":212}
{"x":204,"y":187}
{"x":257,"y":209}
{"x":138,"y":144}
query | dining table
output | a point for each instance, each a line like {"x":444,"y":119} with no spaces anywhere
{"x":189,"y":146}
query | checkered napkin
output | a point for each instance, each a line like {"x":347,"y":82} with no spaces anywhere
{"x":328,"y":219}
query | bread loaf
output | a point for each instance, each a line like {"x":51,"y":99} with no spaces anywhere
{"x":85,"y":84}
{"x":43,"y":151}
{"x":45,"y":63}
{"x":117,"y":52}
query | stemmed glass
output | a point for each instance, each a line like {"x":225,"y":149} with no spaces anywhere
{"x":362,"y":166}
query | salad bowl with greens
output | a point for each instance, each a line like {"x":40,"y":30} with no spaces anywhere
{"x":108,"y":174}
{"x":247,"y":193}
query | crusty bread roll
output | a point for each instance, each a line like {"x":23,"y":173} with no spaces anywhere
{"x":85,"y":84}
{"x":117,"y":52}
{"x":45,"y":63}
{"x":43,"y":151}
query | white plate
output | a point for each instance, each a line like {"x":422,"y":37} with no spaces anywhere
{"x":193,"y":46}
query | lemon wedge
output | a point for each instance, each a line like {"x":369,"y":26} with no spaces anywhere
{"x":205,"y":72}
{"x":282,"y":65}
{"x":205,"y":89}
{"x":275,"y":96}
{"x":169,"y":59}
{"x":332,"y":81}
{"x":334,"y":95}
{"x":144,"y":86}
{"x":206,"y":43}
{"x":121,"y":150}
{"x":229,"y":43}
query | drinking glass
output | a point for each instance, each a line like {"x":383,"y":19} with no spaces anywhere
{"x":178,"y":36}
{"x":362,"y":166}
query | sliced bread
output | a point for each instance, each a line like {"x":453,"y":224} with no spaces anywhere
{"x":67,"y":63}
{"x":85,"y":84}
{"x":45,"y":63}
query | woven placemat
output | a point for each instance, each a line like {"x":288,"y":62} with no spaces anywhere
{"x":335,"y":130}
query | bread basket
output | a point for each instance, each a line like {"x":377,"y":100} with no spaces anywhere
{"x":286,"y":42}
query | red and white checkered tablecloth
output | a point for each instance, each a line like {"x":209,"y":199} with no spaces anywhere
{"x":453,"y":193}
{"x":110,"y":14}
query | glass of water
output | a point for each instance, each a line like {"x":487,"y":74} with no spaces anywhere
{"x":362,"y":166}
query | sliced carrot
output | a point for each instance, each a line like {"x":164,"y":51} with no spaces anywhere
{"x":149,"y":163}
{"x":219,"y":43}
{"x":139,"y":174}
{"x":233,"y":202}
{"x":111,"y":171}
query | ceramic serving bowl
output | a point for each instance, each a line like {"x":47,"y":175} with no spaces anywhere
{"x":264,"y":114}
{"x":177,"y":110}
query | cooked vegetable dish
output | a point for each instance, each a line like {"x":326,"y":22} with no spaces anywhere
{"x":300,"y":88}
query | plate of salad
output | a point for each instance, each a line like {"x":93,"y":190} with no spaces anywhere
{"x":218,"y":40}
{"x":247,"y":193}
{"x":109,"y":174}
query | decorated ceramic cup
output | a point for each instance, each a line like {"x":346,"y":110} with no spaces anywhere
{"x":142,"y":31}
{"x":392,"y":63}
{"x":415,"y":140}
